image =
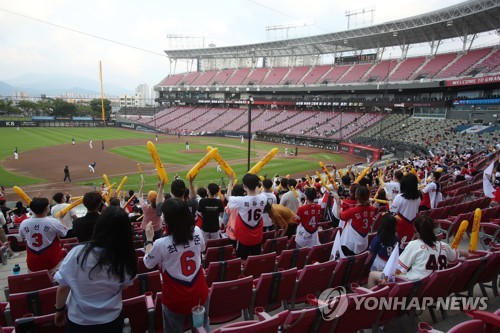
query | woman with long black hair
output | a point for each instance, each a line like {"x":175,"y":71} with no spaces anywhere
{"x":405,"y":206}
{"x":95,"y":273}
{"x":179,"y":256}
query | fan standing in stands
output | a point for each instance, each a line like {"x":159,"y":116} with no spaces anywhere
{"x":83,"y":227}
{"x":210,"y":209}
{"x":249,"y":223}
{"x":179,"y":256}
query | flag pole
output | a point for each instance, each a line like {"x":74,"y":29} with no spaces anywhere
{"x":102,"y":93}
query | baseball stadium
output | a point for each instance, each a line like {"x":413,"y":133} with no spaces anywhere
{"x":363,"y":139}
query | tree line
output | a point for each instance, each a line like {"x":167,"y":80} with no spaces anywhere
{"x":55,"y":107}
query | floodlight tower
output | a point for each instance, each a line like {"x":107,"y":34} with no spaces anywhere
{"x":366,"y":16}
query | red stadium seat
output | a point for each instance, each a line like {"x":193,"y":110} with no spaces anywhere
{"x":223,"y":271}
{"x":140,"y":311}
{"x":220,"y":253}
{"x":271,"y":289}
{"x":312,"y":279}
{"x":353,"y":319}
{"x":256,"y":265}
{"x":143,"y":283}
{"x":470,"y":270}
{"x":23,"y":283}
{"x":293,"y":258}
{"x":319,"y":253}
{"x":40,"y":324}
{"x":326,"y":235}
{"x":439,"y":285}
{"x":141,"y":268}
{"x":276,"y":245}
{"x":217,"y":242}
{"x":227,"y":300}
{"x":490,"y":274}
{"x":38,"y":303}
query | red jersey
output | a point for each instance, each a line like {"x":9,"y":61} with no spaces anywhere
{"x":309,"y":215}
{"x":348,"y":203}
{"x":361,"y":218}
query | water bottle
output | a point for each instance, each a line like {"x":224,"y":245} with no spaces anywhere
{"x":126,"y":326}
{"x":16,"y":270}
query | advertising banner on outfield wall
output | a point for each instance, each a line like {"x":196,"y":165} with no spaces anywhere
{"x":16,"y":123}
{"x":361,"y":150}
{"x":136,"y":127}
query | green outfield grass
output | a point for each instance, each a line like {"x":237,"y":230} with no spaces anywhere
{"x":175,"y":152}
{"x":28,"y":138}
{"x":281,"y":167}
{"x":231,"y":149}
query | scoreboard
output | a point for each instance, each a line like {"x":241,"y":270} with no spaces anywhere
{"x":355,"y":58}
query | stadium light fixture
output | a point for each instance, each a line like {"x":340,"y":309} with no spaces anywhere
{"x":247,"y":89}
{"x":449,"y":23}
{"x":395,"y":34}
{"x":250,"y":102}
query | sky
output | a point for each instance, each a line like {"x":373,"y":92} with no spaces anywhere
{"x":28,"y":45}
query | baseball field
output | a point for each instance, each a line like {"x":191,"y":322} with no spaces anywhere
{"x":44,"y":152}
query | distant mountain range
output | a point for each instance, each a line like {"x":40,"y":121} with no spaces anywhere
{"x":54,"y":85}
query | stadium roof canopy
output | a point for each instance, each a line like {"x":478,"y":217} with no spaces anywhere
{"x":461,"y":20}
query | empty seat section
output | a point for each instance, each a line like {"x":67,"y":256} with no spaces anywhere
{"x":406,"y":69}
{"x":380,"y":71}
{"x":221,"y":77}
{"x":189,"y":78}
{"x":315,"y":74}
{"x":275,"y":76}
{"x":435,"y":65}
{"x":491,"y":62}
{"x":238,"y":77}
{"x":256,"y":76}
{"x":334,"y":74}
{"x":464,"y":62}
{"x":356,"y":73}
{"x":295,"y":74}
{"x":204,"y":78}
{"x":171,"y":80}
